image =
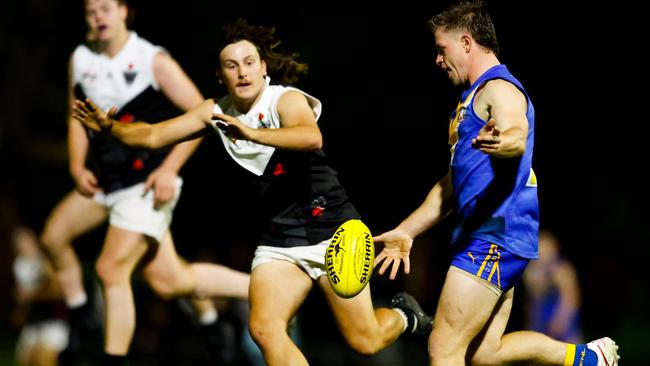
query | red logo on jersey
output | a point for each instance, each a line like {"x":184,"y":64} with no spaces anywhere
{"x":137,"y":164}
{"x":127,"y":118}
{"x":279,"y":170}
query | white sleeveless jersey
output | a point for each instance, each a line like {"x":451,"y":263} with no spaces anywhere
{"x":115,"y":81}
{"x":252,"y":156}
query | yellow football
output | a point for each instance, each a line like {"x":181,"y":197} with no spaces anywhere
{"x":349,"y":258}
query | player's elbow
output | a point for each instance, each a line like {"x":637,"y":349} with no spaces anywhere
{"x":314,"y":141}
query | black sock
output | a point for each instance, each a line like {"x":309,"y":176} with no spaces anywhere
{"x":80,"y":314}
{"x":113,"y":360}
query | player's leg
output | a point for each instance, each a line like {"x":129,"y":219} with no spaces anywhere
{"x":277,"y":290}
{"x":166,"y":273}
{"x":72,"y":217}
{"x":170,"y":276}
{"x":492,"y":347}
{"x":122,"y":251}
{"x":464,"y":307}
{"x":218,"y":280}
{"x":367,"y":330}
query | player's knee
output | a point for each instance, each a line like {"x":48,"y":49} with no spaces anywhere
{"x":53,"y":242}
{"x":265,"y":332}
{"x":441,"y":348}
{"x":169,"y":289}
{"x":365,"y":342}
{"x":485,"y":356}
{"x":110,"y":272}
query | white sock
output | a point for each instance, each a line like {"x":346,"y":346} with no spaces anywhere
{"x":406,"y":322}
{"x":209,"y":317}
{"x":77,"y":301}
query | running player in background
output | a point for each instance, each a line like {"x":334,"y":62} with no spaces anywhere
{"x":134,"y":189}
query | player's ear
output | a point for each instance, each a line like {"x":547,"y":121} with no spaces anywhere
{"x":264,"y":73}
{"x":466,"y":42}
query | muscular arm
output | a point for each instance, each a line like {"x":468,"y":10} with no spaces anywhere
{"x":181,"y":91}
{"x":435,"y":207}
{"x":298,"y":131}
{"x":504,"y":106}
{"x":85,"y":180}
{"x":398,"y":242}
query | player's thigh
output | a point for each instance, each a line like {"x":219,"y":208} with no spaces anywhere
{"x":353,"y":316}
{"x":277,"y":289}
{"x":73,"y":216}
{"x":464,"y":308}
{"x":488,"y":342}
{"x":165,"y":265}
{"x":122,"y":250}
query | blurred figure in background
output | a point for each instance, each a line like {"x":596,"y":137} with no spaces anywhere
{"x":553,"y":293}
{"x":135,"y":190}
{"x":40,"y":311}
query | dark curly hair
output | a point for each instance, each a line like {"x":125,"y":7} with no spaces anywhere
{"x":281,"y":65}
{"x":470,"y":16}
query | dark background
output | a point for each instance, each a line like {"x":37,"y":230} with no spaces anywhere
{"x":385,"y":128}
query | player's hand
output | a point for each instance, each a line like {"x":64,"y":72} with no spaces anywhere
{"x":488,"y":139}
{"x":232,"y":127}
{"x":163,"y":183}
{"x":397,"y":247}
{"x":85,"y":182}
{"x":92,"y":117}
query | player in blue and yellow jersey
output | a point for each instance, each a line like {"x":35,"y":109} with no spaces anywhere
{"x":492,"y":190}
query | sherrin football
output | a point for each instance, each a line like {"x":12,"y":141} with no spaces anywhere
{"x":349,"y":258}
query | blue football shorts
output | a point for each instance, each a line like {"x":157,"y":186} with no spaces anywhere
{"x":492,"y":264}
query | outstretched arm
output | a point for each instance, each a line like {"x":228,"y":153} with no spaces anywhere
{"x":398,"y":242}
{"x":187,"y":126}
{"x":504,"y":107}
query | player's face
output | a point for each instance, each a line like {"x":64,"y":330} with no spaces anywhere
{"x":450,"y":55}
{"x":243,"y":72}
{"x":105,"y":18}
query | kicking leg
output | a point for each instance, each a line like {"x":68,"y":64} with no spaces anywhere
{"x":367,"y":330}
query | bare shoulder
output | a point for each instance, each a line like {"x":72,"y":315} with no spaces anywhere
{"x":499,"y":88}
{"x":292,"y":98}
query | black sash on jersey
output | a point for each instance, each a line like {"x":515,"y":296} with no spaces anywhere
{"x":119,"y":166}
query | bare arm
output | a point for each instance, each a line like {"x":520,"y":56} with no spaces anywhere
{"x":299,"y":129}
{"x":181,"y":91}
{"x":504,"y":107}
{"x":398,"y":242}
{"x":434,"y":208}
{"x":85,"y":181}
{"x":187,"y":126}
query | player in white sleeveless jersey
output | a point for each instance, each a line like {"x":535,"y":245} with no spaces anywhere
{"x":134,"y":189}
{"x":271,"y":131}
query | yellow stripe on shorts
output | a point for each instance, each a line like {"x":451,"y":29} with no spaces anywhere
{"x":487,"y":258}
{"x":570,"y":354}
{"x":495,"y":268}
